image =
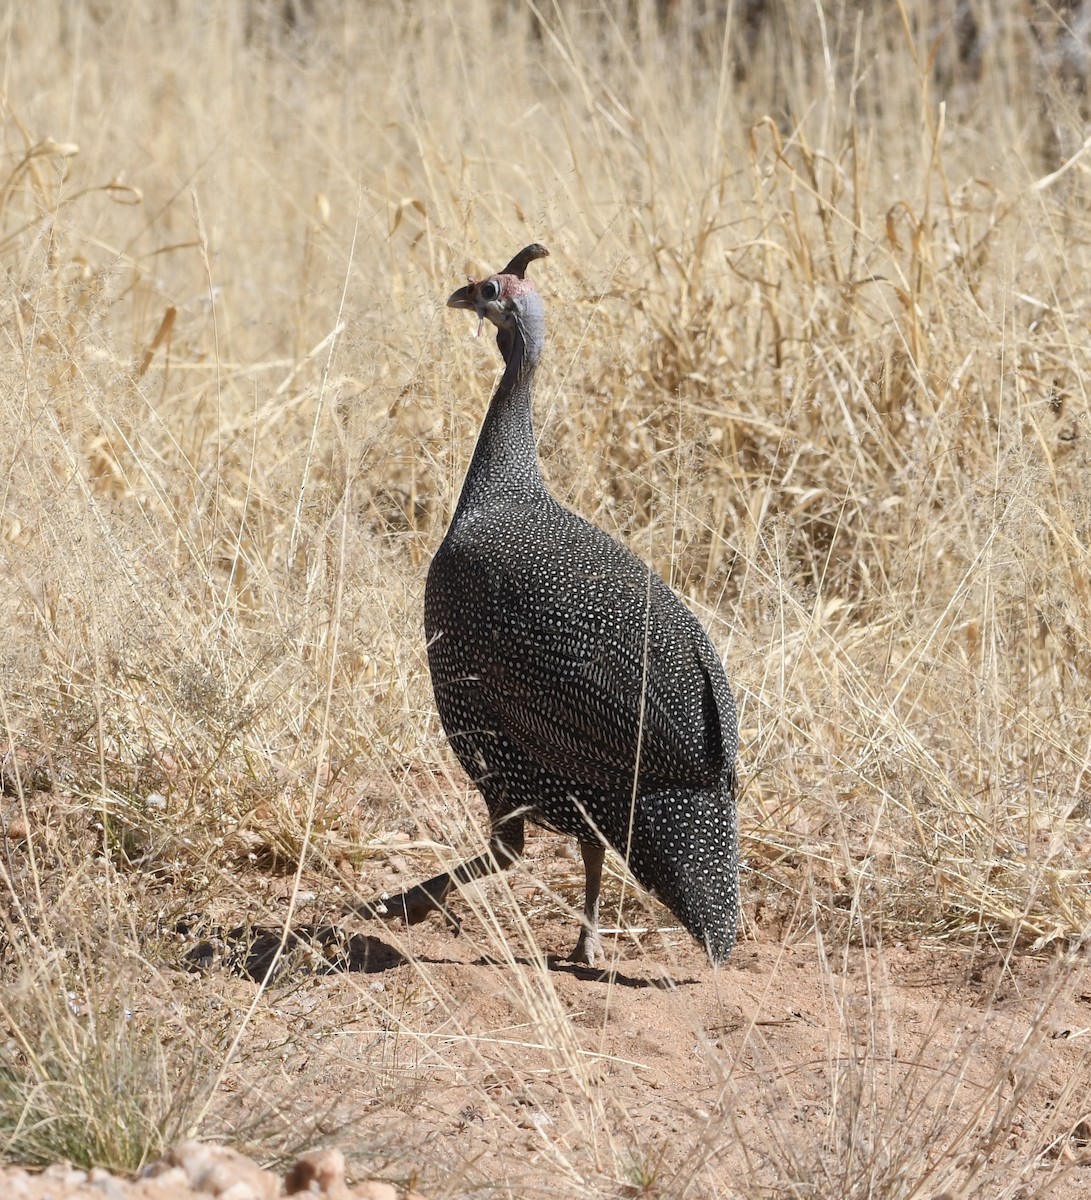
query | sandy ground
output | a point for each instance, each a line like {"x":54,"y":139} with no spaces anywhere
{"x":930,"y":1070}
{"x":777,"y":1047}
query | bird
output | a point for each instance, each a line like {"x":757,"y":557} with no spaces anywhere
{"x":574,"y":686}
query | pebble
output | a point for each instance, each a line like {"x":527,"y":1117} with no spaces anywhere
{"x":196,"y":1171}
{"x":17,"y":1183}
{"x":220,"y":1171}
{"x":320,"y":1170}
{"x":374,"y":1190}
{"x":106,"y":1183}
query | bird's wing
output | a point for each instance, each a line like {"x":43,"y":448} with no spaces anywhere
{"x":590,"y":668}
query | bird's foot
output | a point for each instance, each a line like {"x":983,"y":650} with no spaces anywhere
{"x":408,"y":908}
{"x":588,"y":950}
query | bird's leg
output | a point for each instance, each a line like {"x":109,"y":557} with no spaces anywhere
{"x":412,"y":906}
{"x":589,"y":948}
{"x":505,"y":850}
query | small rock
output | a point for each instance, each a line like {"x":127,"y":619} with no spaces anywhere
{"x":535,"y":1120}
{"x":165,"y":1178}
{"x":66,"y":1174}
{"x":220,"y":1171}
{"x":16,"y":1183}
{"x":374,"y":1190}
{"x":17,"y":829}
{"x":321,"y":1171}
{"x":241,"y":1189}
{"x":106,"y":1183}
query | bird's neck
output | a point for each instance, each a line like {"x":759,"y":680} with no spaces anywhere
{"x":505,"y":461}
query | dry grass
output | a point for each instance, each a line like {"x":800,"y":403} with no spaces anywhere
{"x":819,"y":344}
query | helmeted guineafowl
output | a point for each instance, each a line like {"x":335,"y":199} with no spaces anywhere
{"x":574,"y":686}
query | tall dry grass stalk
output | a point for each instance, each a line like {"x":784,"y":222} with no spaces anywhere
{"x":818,"y":349}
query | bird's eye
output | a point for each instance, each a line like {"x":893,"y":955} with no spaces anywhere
{"x":490,"y":290}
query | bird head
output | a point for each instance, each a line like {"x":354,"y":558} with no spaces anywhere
{"x":510,"y":301}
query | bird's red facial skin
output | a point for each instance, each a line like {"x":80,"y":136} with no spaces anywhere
{"x":511,"y":286}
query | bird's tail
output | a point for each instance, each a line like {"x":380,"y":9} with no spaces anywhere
{"x":684,"y":847}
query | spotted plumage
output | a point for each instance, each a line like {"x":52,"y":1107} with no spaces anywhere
{"x":574,"y":686}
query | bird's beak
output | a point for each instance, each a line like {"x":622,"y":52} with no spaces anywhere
{"x":466,"y":297}
{"x":463,"y":298}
